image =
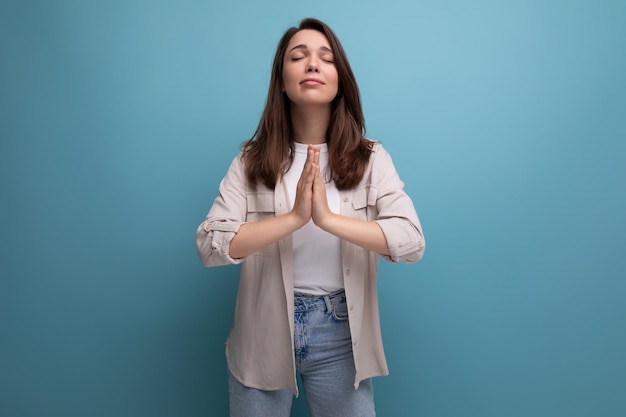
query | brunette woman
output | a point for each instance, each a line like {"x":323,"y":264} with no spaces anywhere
{"x":308,"y":207}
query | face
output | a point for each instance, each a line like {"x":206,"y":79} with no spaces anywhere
{"x":309,"y":73}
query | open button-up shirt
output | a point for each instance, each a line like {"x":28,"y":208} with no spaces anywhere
{"x":259,"y":349}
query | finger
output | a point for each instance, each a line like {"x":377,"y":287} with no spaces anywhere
{"x":319,"y":181}
{"x":310,"y":154}
{"x":307,"y":177}
{"x":320,"y":177}
{"x":307,"y":165}
{"x":306,"y":169}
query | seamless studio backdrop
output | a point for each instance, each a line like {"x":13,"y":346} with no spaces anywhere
{"x":506,"y":119}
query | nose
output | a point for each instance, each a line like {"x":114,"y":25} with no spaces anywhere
{"x":312,"y":65}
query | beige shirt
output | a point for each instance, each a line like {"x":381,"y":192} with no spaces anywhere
{"x":259,"y":349}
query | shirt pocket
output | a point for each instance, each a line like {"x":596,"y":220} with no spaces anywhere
{"x":260,"y":206}
{"x":364,"y":203}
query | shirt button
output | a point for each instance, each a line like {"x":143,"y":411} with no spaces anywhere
{"x":348,"y":271}
{"x":354,"y":343}
{"x":345,"y":199}
{"x":351,"y":307}
{"x":420,"y":244}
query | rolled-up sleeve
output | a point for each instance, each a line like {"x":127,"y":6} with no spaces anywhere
{"x":227,"y":214}
{"x":396,"y":213}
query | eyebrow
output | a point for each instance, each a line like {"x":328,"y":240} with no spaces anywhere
{"x":303,"y":46}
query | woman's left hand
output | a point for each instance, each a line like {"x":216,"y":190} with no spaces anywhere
{"x":366,"y":234}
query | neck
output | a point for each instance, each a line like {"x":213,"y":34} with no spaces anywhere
{"x":310,"y":124}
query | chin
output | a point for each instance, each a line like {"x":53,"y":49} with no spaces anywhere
{"x":313,"y":102}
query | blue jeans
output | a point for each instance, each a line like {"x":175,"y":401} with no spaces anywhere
{"x":323,"y":353}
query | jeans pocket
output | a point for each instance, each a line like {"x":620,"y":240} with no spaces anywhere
{"x":340,"y":310}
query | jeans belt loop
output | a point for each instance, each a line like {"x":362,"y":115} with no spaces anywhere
{"x":329,"y":305}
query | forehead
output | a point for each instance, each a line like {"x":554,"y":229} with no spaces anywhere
{"x":310,"y":38}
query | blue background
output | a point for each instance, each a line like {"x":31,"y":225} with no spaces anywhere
{"x":506,"y":119}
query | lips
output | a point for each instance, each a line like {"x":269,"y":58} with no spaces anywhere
{"x":311,"y":81}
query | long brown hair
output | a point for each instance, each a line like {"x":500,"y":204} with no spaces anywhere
{"x":268,"y":154}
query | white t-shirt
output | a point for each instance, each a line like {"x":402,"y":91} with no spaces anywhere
{"x":317,"y":254}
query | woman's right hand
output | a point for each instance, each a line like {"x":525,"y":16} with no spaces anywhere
{"x":304,"y":190}
{"x":253,"y":236}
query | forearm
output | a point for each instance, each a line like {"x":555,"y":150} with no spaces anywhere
{"x":366,"y":234}
{"x":254,"y":236}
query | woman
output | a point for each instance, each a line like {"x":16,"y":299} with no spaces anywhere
{"x":307,"y":207}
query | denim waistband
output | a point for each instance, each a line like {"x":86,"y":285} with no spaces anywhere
{"x":307,"y":302}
